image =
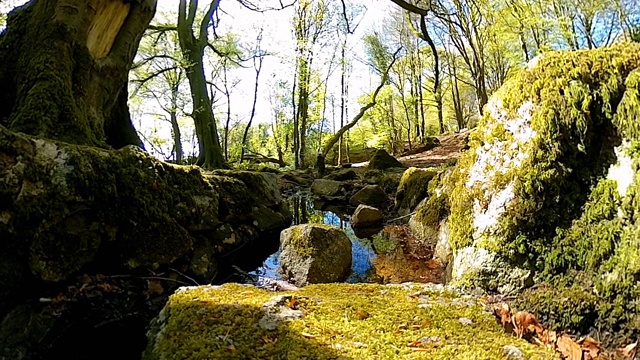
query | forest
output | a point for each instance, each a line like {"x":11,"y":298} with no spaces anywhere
{"x":315,"y":179}
{"x":428,"y":72}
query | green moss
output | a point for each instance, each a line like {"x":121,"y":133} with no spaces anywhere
{"x":562,"y":308}
{"x":574,"y":119}
{"x":362,"y":321}
{"x":300,"y":235}
{"x":413,"y":187}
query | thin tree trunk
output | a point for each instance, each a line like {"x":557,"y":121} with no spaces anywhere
{"x":175,"y":127}
{"x":253,"y":106}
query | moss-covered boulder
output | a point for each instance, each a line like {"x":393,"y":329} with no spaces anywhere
{"x":330,"y":321}
{"x":369,"y":195}
{"x":69,"y":210}
{"x":388,"y":179}
{"x":550,"y":181}
{"x":381,"y":160}
{"x":413,"y":188}
{"x":428,"y":223}
{"x":315,"y":253}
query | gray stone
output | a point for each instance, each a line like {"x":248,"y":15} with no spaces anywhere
{"x":513,"y":353}
{"x":315,"y":253}
{"x":443,"y":251}
{"x":327,"y":188}
{"x":342,"y":175}
{"x":480,"y":267}
{"x":366,"y":216}
{"x":276,"y":312}
{"x":382,"y":160}
{"x":369,"y":195}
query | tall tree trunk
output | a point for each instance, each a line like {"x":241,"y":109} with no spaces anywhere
{"x":304,"y":84}
{"x":64,"y":68}
{"x":193,"y":50}
{"x":296,"y":120}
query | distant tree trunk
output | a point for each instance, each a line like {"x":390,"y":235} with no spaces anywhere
{"x":175,"y":127}
{"x":227,"y":94}
{"x":64,"y":68}
{"x":193,"y":50}
{"x":257,"y":67}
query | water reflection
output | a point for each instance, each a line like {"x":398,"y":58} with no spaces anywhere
{"x":388,"y":255}
{"x":306,"y":211}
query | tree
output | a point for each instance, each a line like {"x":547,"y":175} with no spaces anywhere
{"x":371,"y":103}
{"x":157,"y":76}
{"x":309,"y":23}
{"x":65,"y":73}
{"x":257,"y":66}
{"x":193,"y":47}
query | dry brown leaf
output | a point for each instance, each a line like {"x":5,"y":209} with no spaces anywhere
{"x":547,"y":338}
{"x":569,"y":348}
{"x":526,"y":323}
{"x":503,"y":311}
{"x":630,"y":351}
{"x":590,"y":347}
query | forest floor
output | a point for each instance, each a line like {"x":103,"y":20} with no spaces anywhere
{"x":450,"y":148}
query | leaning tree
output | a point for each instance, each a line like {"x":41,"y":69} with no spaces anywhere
{"x":64,"y":68}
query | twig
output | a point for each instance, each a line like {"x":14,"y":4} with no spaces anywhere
{"x":184,"y":275}
{"x":402,"y":217}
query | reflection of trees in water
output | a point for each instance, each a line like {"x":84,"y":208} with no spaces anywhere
{"x":304,"y":212}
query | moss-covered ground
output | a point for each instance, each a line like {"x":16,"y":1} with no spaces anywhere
{"x":338,"y":321}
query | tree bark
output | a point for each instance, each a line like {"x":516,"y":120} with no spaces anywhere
{"x":64,"y":68}
{"x":193,"y":50}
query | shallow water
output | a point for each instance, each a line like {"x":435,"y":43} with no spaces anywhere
{"x":304,"y":212}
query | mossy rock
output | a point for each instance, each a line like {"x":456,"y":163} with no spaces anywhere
{"x":412,"y":189}
{"x":342,"y":175}
{"x":547,"y":136}
{"x":315,"y":253}
{"x":541,"y":187}
{"x":389,"y":179}
{"x":329,"y":321}
{"x":381,"y":160}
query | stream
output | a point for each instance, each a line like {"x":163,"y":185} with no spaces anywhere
{"x":388,"y":255}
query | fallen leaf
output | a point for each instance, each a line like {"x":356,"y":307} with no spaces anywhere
{"x":525,"y":323}
{"x":590,"y":347}
{"x":293,"y":304}
{"x":569,"y":348}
